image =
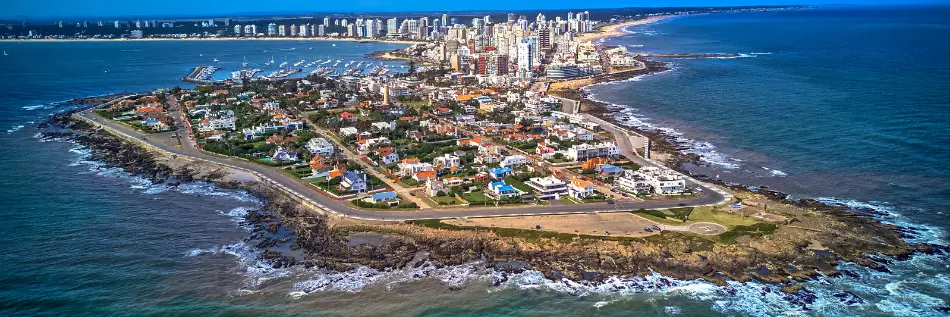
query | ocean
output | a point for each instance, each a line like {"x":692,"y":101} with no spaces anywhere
{"x":846,"y":104}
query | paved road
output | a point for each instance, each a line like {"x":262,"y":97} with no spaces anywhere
{"x":311,"y":196}
{"x":624,"y":140}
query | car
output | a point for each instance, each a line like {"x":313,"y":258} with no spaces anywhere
{"x":656,"y":228}
{"x":647,"y":229}
{"x":412,"y":194}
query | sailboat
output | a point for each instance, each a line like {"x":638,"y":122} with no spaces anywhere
{"x":270,"y":62}
{"x":216,"y":58}
{"x":5,"y":53}
{"x":244,"y":64}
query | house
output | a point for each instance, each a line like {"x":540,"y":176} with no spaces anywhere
{"x":662,"y":181}
{"x":499,"y":172}
{"x":514,"y":161}
{"x":321,"y":147}
{"x":500,"y":190}
{"x":447,"y":161}
{"x":411,"y":166}
{"x":433,"y":187}
{"x":581,"y":152}
{"x":548,"y":187}
{"x":593,"y":163}
{"x":634,"y":183}
{"x":545,"y":147}
{"x":452,"y":181}
{"x":609,"y":171}
{"x":580,"y":189}
{"x":391,"y":197}
{"x":424,"y":175}
{"x":387,"y":155}
{"x":488,"y":158}
{"x":353,"y":181}
{"x":384,"y":126}
{"x":283,"y":155}
{"x":347,"y":117}
{"x":469,"y":142}
{"x":319,"y":168}
{"x":348,"y":131}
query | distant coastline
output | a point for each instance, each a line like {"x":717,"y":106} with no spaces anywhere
{"x":331,"y":39}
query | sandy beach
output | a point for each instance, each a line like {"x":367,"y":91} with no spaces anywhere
{"x":335,"y":39}
{"x":617,"y":29}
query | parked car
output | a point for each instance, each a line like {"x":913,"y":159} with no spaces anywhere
{"x":657,"y":228}
{"x":647,"y":229}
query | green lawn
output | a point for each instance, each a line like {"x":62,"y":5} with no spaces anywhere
{"x":514,"y":182}
{"x":444,"y":200}
{"x":476,"y":197}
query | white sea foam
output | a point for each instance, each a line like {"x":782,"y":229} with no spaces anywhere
{"x":15,"y":128}
{"x":887,"y":213}
{"x":38,"y":107}
{"x":776,"y":173}
{"x":251,"y":261}
{"x":672,"y":310}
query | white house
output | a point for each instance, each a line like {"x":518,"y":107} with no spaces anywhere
{"x":354,"y":181}
{"x":664,"y":181}
{"x":348,"y":131}
{"x":582,"y":152}
{"x":447,"y":161}
{"x":634,"y":182}
{"x":514,"y":161}
{"x":580,"y":189}
{"x":548,"y":187}
{"x":320,"y":147}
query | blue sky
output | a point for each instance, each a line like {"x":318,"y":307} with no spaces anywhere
{"x":98,"y":8}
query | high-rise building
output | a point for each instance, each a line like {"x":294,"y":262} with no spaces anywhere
{"x":293,"y":30}
{"x":237,"y":29}
{"x":511,"y":17}
{"x":524,"y":59}
{"x":271,"y":29}
{"x":321,"y":30}
{"x":326,"y":21}
{"x":392,"y":26}
{"x":351,"y":30}
{"x":211,"y":23}
{"x":371,"y":29}
{"x":100,"y":23}
{"x":282,"y":30}
{"x":249,"y":30}
{"x":445,"y":19}
{"x":304,"y":30}
{"x":227,"y":22}
{"x":478,"y":23}
{"x":116,"y":24}
{"x":544,"y":38}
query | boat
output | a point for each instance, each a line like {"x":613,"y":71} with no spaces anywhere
{"x":334,"y":44}
{"x":5,"y":53}
{"x":244,"y":64}
{"x":270,"y":62}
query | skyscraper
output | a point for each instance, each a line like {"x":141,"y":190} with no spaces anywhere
{"x":370,"y":29}
{"x":326,"y":21}
{"x":524,"y":59}
{"x":271,"y":29}
{"x":445,"y":19}
{"x":392,"y":26}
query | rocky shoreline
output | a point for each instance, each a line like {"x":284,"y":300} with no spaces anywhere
{"x":788,"y":254}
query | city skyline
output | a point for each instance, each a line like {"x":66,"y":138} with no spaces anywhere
{"x":67,"y":9}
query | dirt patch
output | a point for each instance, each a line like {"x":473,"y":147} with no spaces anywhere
{"x":617,"y":224}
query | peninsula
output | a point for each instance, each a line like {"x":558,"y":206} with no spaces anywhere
{"x":492,"y":153}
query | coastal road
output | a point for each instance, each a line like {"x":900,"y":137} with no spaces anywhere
{"x":331,"y":206}
{"x":625,"y":140}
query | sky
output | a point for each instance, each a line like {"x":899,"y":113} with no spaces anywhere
{"x":126,"y":8}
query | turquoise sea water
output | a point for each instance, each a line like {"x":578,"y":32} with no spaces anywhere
{"x":850,"y":103}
